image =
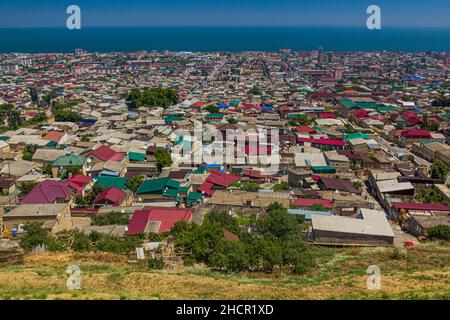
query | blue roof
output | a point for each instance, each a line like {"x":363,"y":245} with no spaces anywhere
{"x":309,"y":213}
{"x":213,"y":165}
{"x":222,"y":106}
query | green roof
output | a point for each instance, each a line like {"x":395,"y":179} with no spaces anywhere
{"x":194,"y":197}
{"x":173,"y":117}
{"x":200,"y":170}
{"x":134,"y":156}
{"x":215,"y":115}
{"x":323,"y":169}
{"x":157,"y":185}
{"x":109,"y":182}
{"x":357,"y":135}
{"x":172,"y":193}
{"x":69,"y":161}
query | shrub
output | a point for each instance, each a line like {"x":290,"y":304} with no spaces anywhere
{"x":155,"y":264}
{"x":440,"y":232}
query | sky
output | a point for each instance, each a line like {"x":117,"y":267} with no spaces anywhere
{"x":330,"y":13}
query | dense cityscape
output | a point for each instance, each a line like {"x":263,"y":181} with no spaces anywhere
{"x":359,"y":160}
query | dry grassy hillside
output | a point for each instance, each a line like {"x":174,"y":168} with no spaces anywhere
{"x":421,"y":272}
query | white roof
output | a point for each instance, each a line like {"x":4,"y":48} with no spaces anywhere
{"x":310,"y":159}
{"x":376,"y":227}
{"x":393,"y":185}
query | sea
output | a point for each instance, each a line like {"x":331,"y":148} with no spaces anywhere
{"x":223,"y":39}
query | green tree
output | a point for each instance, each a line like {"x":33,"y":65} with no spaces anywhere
{"x":29,"y":151}
{"x":26,"y":187}
{"x":280,"y":186}
{"x":111,"y":218}
{"x":35,"y":235}
{"x":163,"y":158}
{"x":251,"y":187}
{"x":440,"y":232}
{"x":134,"y":183}
{"x":439,"y":170}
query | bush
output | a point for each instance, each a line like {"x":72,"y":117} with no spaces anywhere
{"x":36,"y":235}
{"x":440,"y":232}
{"x":111,"y":218}
{"x":155,"y":264}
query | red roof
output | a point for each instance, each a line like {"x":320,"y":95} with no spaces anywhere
{"x":112,"y":195}
{"x":420,"y":206}
{"x":222,"y":179}
{"x":311,"y":202}
{"x":166,"y":216}
{"x":54,"y":136}
{"x":104,"y":153}
{"x":46,"y":192}
{"x":323,"y":141}
{"x":253,"y":150}
{"x":305,"y":129}
{"x":416,"y":134}
{"x":327,"y":115}
{"x":78,"y":181}
{"x":206,"y":188}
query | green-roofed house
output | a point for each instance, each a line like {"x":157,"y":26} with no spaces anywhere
{"x":323,"y":169}
{"x":194,"y":198}
{"x":356,"y":135}
{"x":214,"y":117}
{"x":109,"y":182}
{"x":68,"y":163}
{"x":158,"y":189}
{"x":136,"y":157}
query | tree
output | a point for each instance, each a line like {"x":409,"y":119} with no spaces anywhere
{"x":29,"y":151}
{"x":280,"y":186}
{"x":211,"y":109}
{"x":224,"y":220}
{"x":232,"y":120}
{"x":278,"y":224}
{"x":251,"y":187}
{"x":439,"y":170}
{"x":26,"y":187}
{"x":318,"y":207}
{"x":163,"y":158}
{"x":34,"y":96}
{"x":153,"y":97}
{"x":429,"y":195}
{"x":36,"y":235}
{"x":440,"y":232}
{"x":111,"y":218}
{"x":134,"y":183}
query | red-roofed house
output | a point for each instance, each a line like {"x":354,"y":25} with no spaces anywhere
{"x":408,"y":137}
{"x":306,"y":129}
{"x":78,"y":182}
{"x":105,"y":153}
{"x":55,"y":136}
{"x":110,"y":197}
{"x":308,"y":203}
{"x":332,"y":144}
{"x":222,"y":179}
{"x":157,"y":220}
{"x":47,"y":192}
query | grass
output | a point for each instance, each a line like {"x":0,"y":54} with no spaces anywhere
{"x":421,"y":272}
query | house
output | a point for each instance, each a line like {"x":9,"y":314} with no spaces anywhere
{"x":217,"y":180}
{"x":344,"y":185}
{"x":47,"y":156}
{"x":157,"y":220}
{"x":65,"y":164}
{"x":105,"y":153}
{"x":308,"y":203}
{"x":371,"y":228}
{"x":56,"y":217}
{"x":307,"y":214}
{"x":157,"y":189}
{"x":417,"y":217}
{"x":48,"y":191}
{"x":113,"y":197}
{"x":408,"y":137}
{"x":109,"y":182}
{"x":79,"y":182}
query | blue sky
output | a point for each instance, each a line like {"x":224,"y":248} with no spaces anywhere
{"x":395,"y":13}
